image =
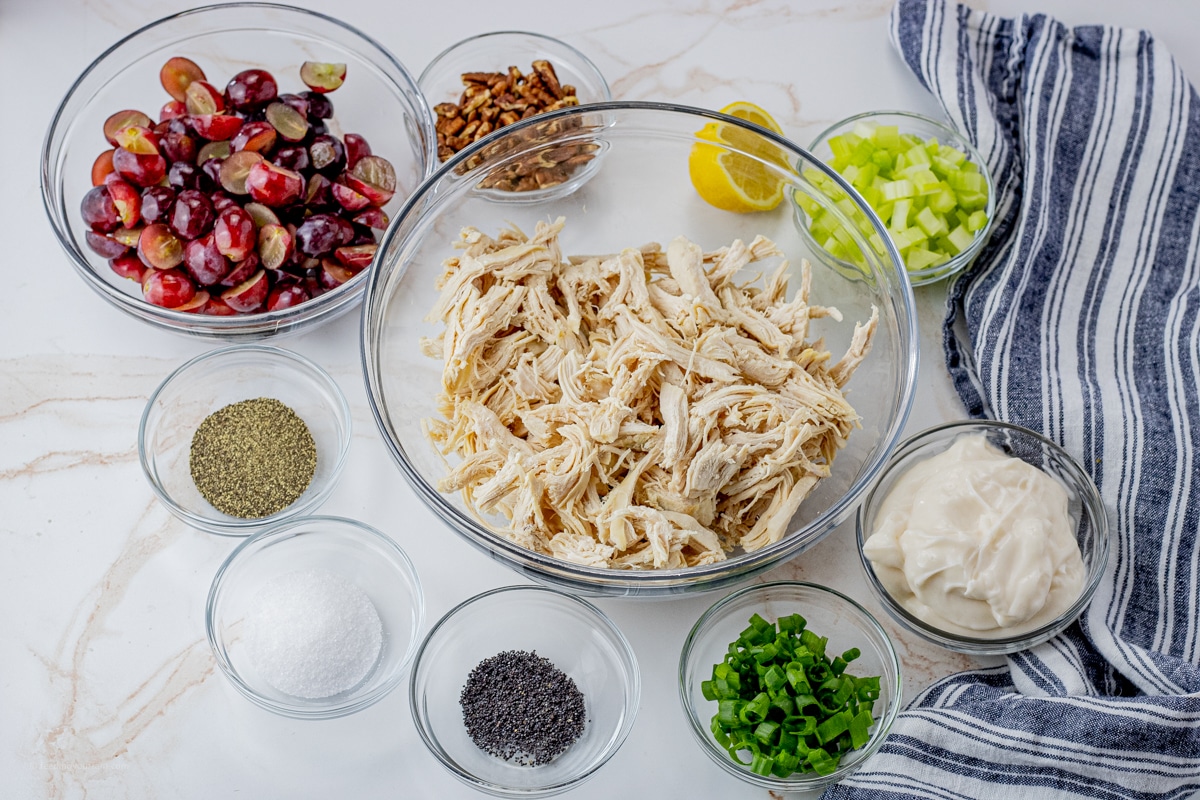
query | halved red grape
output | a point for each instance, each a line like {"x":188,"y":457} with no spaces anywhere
{"x":348,"y":198}
{"x":258,"y":137}
{"x":216,"y":127}
{"x":262,"y":215}
{"x":196,"y":304}
{"x":137,"y":139}
{"x":124,"y":119}
{"x":169,"y":288}
{"x":158,"y":247}
{"x":141,"y":170}
{"x":126,"y":199}
{"x":248,"y":295}
{"x":192,"y":215}
{"x":203,"y":98}
{"x":235,"y":169}
{"x":213,"y":150}
{"x":357,"y":257}
{"x":322,"y":77}
{"x":204,"y":261}
{"x":129,"y":266}
{"x":356,"y":149}
{"x":177,"y":74}
{"x":98,"y":210}
{"x":216,"y":307}
{"x":372,"y":217}
{"x":287,"y":294}
{"x":289,"y":123}
{"x":333,"y":273}
{"x":273,"y":185}
{"x":241,"y":271}
{"x":328,"y":155}
{"x":250,"y":88}
{"x":104,"y":246}
{"x":295,"y":101}
{"x":234,"y":234}
{"x":376,"y":173}
{"x":318,"y":195}
{"x":172,"y":109}
{"x":102,"y":167}
{"x":128,"y":236}
{"x":274,"y":246}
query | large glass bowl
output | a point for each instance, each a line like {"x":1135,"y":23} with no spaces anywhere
{"x":1085,"y":508}
{"x":641,"y":193}
{"x":379,"y":100}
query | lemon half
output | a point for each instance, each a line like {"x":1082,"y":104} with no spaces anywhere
{"x":727,"y":178}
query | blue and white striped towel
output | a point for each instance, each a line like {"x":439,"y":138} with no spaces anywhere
{"x":1081,"y":319}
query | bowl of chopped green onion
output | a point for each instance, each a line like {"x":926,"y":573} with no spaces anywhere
{"x":789,"y":686}
{"x":925,"y":181}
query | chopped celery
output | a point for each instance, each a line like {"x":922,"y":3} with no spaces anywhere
{"x":961,"y":238}
{"x":930,"y":195}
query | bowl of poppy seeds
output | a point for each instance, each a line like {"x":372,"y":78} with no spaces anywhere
{"x":243,"y":437}
{"x":524,"y":691}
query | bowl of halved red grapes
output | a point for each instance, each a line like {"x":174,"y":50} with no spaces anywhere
{"x":228,"y":171}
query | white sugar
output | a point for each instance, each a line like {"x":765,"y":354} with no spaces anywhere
{"x":313,"y":633}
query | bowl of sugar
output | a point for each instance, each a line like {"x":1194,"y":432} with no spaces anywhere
{"x":316,"y":617}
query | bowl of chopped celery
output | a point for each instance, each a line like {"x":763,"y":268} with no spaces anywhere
{"x":789,"y":686}
{"x":925,"y":181}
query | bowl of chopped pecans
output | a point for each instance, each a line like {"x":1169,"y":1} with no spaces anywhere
{"x":486,"y":82}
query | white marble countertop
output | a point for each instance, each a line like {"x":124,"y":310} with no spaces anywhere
{"x":107,"y":685}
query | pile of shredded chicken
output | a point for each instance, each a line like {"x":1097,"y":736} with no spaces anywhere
{"x":635,"y":411}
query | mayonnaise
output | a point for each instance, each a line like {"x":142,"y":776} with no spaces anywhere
{"x":977,"y":543}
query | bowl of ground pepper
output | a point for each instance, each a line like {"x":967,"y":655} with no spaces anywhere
{"x":524,"y":691}
{"x":243,"y":437}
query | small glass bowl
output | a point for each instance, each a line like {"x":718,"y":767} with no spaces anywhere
{"x":228,"y":375}
{"x":350,"y":549}
{"x":829,"y":613}
{"x":1086,"y":510}
{"x":925,"y":128}
{"x":574,"y":634}
{"x":441,"y":82}
{"x":379,"y":100}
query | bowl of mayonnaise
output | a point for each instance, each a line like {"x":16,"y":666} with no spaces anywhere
{"x":983,"y":537}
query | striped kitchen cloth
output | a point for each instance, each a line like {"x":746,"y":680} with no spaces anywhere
{"x":1080,"y":319}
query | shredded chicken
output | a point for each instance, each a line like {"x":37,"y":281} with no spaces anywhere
{"x":638,"y":410}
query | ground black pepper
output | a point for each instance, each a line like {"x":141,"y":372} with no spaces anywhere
{"x":253,"y":459}
{"x":519,"y":707}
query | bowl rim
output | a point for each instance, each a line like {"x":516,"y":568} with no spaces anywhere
{"x":238,"y":527}
{"x":285,"y":529}
{"x":1091,"y":503}
{"x":567,"y":574}
{"x":326,"y":306}
{"x":959,"y":262}
{"x":808,"y":780}
{"x":633,"y":692}
{"x":462,"y":44}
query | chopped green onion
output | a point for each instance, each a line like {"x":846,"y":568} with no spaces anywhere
{"x":783,"y":704}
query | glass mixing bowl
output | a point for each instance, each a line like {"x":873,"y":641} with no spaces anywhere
{"x":379,"y":100}
{"x":641,"y":193}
